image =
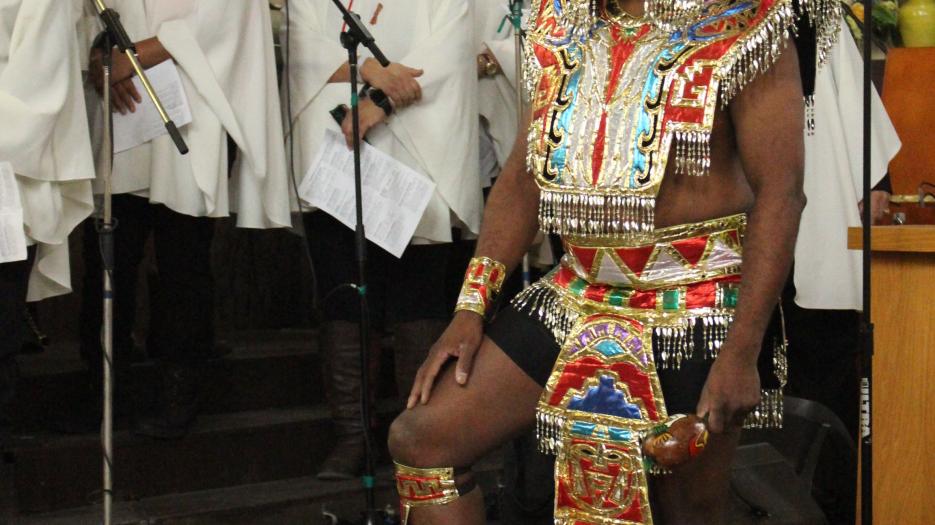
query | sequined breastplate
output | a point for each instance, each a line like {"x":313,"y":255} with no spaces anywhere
{"x":616,"y":100}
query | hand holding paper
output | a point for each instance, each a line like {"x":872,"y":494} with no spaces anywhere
{"x":394,"y":195}
{"x":144,"y":125}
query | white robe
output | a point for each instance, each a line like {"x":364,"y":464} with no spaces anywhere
{"x":437,"y":136}
{"x":44,"y":131}
{"x":224,"y":53}
{"x":497,"y":94}
{"x":827,"y":274}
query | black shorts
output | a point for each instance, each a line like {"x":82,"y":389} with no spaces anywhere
{"x":533,"y":348}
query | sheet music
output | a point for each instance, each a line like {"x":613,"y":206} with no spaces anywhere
{"x":12,"y":235}
{"x":145,"y":124}
{"x":394,"y":195}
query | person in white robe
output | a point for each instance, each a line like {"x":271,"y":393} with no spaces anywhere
{"x":223,"y":52}
{"x":45,"y":147}
{"x":496,"y":85}
{"x":822,"y":321}
{"x":433,"y":129}
{"x":497,"y":101}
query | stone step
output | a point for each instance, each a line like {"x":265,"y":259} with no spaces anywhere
{"x":51,"y":472}
{"x":270,"y":369}
{"x":283,"y":502}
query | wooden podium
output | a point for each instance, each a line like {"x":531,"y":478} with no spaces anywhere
{"x":903,"y":404}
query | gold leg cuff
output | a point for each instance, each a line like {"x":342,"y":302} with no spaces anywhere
{"x":423,"y":487}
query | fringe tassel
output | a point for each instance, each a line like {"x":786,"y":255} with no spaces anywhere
{"x":768,"y":414}
{"x":630,"y":217}
{"x":673,"y":13}
{"x":810,"y":115}
{"x":825,"y":16}
{"x":540,"y":301}
{"x":550,"y":423}
{"x":672,"y":344}
{"x":758,"y":51}
{"x":780,"y":361}
{"x":692,"y":152}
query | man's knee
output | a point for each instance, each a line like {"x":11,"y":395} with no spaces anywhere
{"x":414,"y":442}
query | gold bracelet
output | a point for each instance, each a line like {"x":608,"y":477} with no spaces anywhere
{"x":482,"y":283}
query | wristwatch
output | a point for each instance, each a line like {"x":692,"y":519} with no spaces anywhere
{"x":378,"y":97}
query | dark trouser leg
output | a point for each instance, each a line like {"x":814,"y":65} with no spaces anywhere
{"x":14,"y":279}
{"x":134,"y":222}
{"x":333,"y":252}
{"x":419,"y":307}
{"x":183,"y":328}
{"x":133,"y":218}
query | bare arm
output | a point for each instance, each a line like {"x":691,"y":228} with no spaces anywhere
{"x":508,"y":229}
{"x":396,"y":80}
{"x":768,"y":120}
{"x":125,"y":96}
{"x":511,"y":215}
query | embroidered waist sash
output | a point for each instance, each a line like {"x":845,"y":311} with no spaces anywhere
{"x":619,"y":314}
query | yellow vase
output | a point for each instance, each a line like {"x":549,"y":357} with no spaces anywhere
{"x":917,"y":23}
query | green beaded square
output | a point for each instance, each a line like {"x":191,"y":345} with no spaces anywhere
{"x":730,"y":297}
{"x":671,"y":299}
{"x":616,"y":298}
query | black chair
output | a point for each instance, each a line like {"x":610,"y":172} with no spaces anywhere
{"x":773,"y":470}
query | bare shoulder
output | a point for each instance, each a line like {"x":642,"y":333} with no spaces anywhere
{"x":773,"y":99}
{"x":768,"y":115}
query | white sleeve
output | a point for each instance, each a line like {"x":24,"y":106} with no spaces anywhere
{"x":34,"y":86}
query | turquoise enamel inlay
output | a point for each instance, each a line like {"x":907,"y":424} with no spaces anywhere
{"x":609,"y":348}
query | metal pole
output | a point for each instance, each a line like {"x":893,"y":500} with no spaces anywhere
{"x":107,"y":330}
{"x":350,"y":39}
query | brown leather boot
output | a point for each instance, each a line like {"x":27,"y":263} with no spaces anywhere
{"x":340,"y":346}
{"x":411,"y":343}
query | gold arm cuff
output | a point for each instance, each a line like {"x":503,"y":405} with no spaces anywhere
{"x":482,"y":283}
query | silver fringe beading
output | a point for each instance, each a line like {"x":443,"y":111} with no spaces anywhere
{"x":627,"y":217}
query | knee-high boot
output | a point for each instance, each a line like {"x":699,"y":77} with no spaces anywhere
{"x":411,"y":343}
{"x":340,"y":346}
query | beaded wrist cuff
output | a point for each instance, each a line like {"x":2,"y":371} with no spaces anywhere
{"x":482,"y":283}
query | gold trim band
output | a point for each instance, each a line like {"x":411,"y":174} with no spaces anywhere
{"x":424,"y":487}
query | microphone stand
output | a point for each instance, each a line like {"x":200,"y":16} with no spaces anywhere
{"x":866,"y":321}
{"x":115,"y":34}
{"x":355,"y":35}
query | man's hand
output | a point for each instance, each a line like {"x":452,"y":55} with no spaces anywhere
{"x":460,"y":341}
{"x":119,"y":71}
{"x":731,"y":391}
{"x":125,"y":97}
{"x":370,"y":116}
{"x":879,"y":206}
{"x":396,"y":80}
